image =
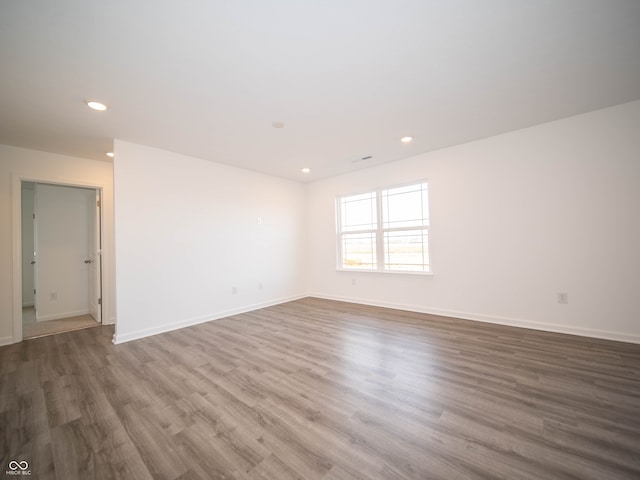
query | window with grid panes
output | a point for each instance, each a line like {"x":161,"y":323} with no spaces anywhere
{"x":385,"y":230}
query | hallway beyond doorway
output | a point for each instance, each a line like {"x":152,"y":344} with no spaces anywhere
{"x":33,"y":329}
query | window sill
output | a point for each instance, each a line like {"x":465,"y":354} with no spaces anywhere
{"x":387,"y":272}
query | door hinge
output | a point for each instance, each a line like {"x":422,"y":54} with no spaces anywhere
{"x":34,"y":291}
{"x":99,"y":301}
{"x":98,"y":203}
{"x":34,"y":216}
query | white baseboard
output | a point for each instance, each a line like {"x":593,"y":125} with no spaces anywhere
{"x":58,"y":316}
{"x":512,"y":322}
{"x":127,"y":337}
{"x":6,"y":341}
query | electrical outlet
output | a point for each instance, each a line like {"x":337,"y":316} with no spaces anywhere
{"x":260,"y":286}
{"x":234,"y":290}
{"x":353,"y":281}
{"x":563,"y":297}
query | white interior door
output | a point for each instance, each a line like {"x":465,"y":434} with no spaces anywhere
{"x":35,"y":259}
{"x":95,"y":262}
{"x":28,"y":258}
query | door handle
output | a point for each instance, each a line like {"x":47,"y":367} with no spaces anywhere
{"x":33,"y":262}
{"x":87,"y":261}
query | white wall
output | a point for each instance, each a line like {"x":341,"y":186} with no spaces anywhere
{"x":515,"y":219}
{"x":28,"y":210}
{"x":64,"y":219}
{"x":187,"y":232}
{"x":19,"y":163}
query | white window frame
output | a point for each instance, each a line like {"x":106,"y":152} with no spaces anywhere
{"x":380,"y":231}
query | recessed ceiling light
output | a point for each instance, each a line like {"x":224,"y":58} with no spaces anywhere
{"x":110,"y":154}
{"x":406,"y":139}
{"x":305,"y":170}
{"x":101,"y":107}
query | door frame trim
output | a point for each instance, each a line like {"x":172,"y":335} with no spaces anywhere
{"x":16,"y":206}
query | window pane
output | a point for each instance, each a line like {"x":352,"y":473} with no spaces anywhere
{"x":359,"y":251}
{"x":358,"y":212}
{"x":407,"y":250}
{"x":405,"y":206}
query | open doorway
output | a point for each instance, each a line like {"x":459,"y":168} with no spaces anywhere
{"x":61,"y":258}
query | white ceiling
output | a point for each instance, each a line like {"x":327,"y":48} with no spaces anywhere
{"x":347,"y":78}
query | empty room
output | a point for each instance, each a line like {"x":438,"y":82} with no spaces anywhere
{"x":338,"y":240}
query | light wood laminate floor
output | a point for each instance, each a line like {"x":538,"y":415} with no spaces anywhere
{"x":33,"y":329}
{"x":315,"y":389}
